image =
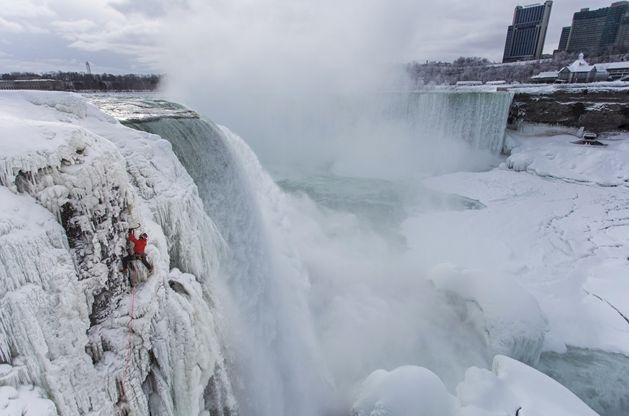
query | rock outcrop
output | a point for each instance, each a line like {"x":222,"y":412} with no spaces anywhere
{"x":598,"y":110}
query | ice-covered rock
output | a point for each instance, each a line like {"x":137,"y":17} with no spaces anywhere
{"x":25,"y":401}
{"x":511,"y":387}
{"x":72,"y":181}
{"x":541,"y":150}
{"x":507,"y":317}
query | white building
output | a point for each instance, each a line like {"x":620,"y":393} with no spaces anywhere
{"x":616,"y":70}
{"x":545,"y":77}
{"x":581,"y":71}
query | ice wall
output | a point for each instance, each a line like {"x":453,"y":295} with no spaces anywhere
{"x":72,"y":181}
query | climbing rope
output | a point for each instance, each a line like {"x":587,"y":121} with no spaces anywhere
{"x":129,"y":342}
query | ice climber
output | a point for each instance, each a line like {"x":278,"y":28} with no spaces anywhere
{"x":139,"y":245}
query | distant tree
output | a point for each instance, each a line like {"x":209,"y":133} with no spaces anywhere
{"x":80,"y":81}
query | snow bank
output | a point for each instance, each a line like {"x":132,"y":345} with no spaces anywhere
{"x":25,"y":401}
{"x":557,"y":157}
{"x":563,"y":241}
{"x":72,"y":181}
{"x":510,"y":386}
{"x":555,"y":221}
{"x":601,"y":86}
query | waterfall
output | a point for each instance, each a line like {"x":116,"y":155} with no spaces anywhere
{"x":403,"y":134}
{"x":477,"y":118}
{"x":275,"y":355}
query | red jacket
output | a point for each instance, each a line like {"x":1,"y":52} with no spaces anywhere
{"x":139,"y":245}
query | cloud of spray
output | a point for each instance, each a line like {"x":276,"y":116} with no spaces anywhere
{"x":302,"y":82}
{"x":373,"y":306}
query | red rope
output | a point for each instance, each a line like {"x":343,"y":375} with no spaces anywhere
{"x":130,"y":341}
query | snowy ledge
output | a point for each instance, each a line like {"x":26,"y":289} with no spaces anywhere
{"x":72,"y":331}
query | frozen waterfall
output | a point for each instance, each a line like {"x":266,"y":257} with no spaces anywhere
{"x":277,"y":358}
{"x":73,"y":180}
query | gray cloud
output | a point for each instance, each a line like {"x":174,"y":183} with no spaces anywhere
{"x":11,"y":27}
{"x":74,"y":26}
{"x":150,"y":8}
{"x":327,"y":35}
{"x":76,"y":31}
{"x":25,"y":8}
{"x":268,"y":68}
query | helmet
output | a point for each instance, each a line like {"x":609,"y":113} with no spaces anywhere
{"x":144,"y":236}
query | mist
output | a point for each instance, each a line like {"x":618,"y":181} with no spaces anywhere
{"x":320,"y":89}
{"x":306,"y":85}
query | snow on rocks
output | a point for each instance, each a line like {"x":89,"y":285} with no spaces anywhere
{"x":555,"y":221}
{"x":186,"y":329}
{"x":560,"y":239}
{"x":43,"y":312}
{"x":72,"y":181}
{"x":555,"y":156}
{"x":511,"y":387}
{"x":25,"y":401}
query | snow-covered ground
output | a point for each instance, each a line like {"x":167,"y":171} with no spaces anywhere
{"x":557,"y":220}
{"x":556,"y":226}
{"x":534,"y":89}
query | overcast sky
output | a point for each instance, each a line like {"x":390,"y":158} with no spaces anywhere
{"x":121,"y":36}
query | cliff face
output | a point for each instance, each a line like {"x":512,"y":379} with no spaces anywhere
{"x":597,"y":110}
{"x":72,"y":329}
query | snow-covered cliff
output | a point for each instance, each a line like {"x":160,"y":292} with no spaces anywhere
{"x":72,"y":328}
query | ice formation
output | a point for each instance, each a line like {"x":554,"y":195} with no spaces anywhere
{"x":511,"y":387}
{"x":25,"y":401}
{"x":73,"y":180}
{"x":270,"y":325}
{"x":508,"y":388}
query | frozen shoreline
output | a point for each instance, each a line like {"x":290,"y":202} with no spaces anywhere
{"x":557,"y":213}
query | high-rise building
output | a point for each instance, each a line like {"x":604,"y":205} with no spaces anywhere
{"x":622,"y":40}
{"x":563,"y":40}
{"x":595,"y":31}
{"x":525,"y":37}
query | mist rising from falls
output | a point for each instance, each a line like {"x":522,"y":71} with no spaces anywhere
{"x":314,"y":297}
{"x":402,"y":134}
{"x":385,"y":135}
